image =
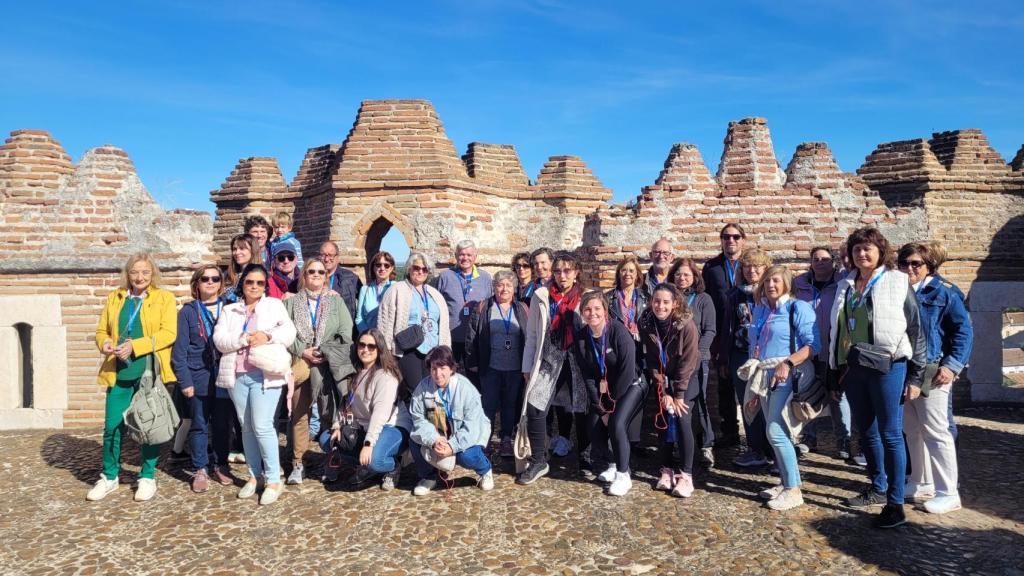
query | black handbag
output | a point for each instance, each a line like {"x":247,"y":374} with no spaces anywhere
{"x":410,"y":338}
{"x":870,"y":356}
{"x":352,"y":437}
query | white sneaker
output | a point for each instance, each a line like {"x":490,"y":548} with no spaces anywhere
{"x":608,"y":475}
{"x":146,"y":489}
{"x":248,"y":490}
{"x":941,"y":504}
{"x":390,"y":480}
{"x":236,"y":458}
{"x":621,"y":485}
{"x":919,"y":492}
{"x":423,"y":487}
{"x":560,"y":446}
{"x":102,"y":487}
{"x":787,"y":499}
{"x":270,"y":495}
{"x":486,"y":482}
{"x":771,"y":493}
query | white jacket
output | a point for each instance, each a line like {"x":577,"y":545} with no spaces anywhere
{"x":271,"y":317}
{"x":393,"y":314}
{"x":888,"y":322}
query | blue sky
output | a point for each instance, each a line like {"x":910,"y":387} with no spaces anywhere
{"x":188,"y":88}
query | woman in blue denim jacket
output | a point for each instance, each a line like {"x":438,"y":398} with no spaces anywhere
{"x":928,"y":419}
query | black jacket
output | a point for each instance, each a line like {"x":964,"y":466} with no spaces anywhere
{"x":707,"y":322}
{"x":717,"y":286}
{"x":478,"y":333}
{"x":620,"y":362}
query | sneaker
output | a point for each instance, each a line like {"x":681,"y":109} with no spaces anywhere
{"x":787,"y":499}
{"x":223,"y":476}
{"x":102,"y":487}
{"x":561,"y":446}
{"x":621,"y":484}
{"x":505,"y":450}
{"x":844,"y":449}
{"x":533,"y":472}
{"x":750,"y":459}
{"x":390,"y":480}
{"x":707,"y":457}
{"x":236,"y":458}
{"x":486,"y":482}
{"x":295,"y":477}
{"x":248,"y":489}
{"x":424,"y":486}
{"x":608,"y":476}
{"x":201,"y":481}
{"x":802,"y":449}
{"x":362,"y":478}
{"x":860,"y":460}
{"x":683,"y":485}
{"x":866,"y":499}
{"x":890,"y":517}
{"x":665,"y":482}
{"x":270,"y":494}
{"x":771,"y":493}
{"x":919,"y":492}
{"x":943,"y":503}
{"x":146,"y":489}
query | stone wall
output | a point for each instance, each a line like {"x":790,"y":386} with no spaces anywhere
{"x":66,"y":229}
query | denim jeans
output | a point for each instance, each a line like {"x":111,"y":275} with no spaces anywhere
{"x":209,"y":412}
{"x":472,"y":458}
{"x":778,"y":433}
{"x":256,"y":406}
{"x":875,"y":400}
{"x":501,"y":391}
{"x":390,"y":443}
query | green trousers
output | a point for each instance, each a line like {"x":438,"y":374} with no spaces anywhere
{"x":119,"y":396}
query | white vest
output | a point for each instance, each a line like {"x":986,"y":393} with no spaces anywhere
{"x":888,"y":322}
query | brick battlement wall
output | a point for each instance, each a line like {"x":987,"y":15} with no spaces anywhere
{"x":68,"y":228}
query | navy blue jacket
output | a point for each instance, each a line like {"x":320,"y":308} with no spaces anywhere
{"x":347,"y":285}
{"x":194,"y":358}
{"x":718,"y":286}
{"x":946,"y":323}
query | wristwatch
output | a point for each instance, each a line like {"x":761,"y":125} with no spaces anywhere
{"x":367,"y":444}
{"x":789,"y":363}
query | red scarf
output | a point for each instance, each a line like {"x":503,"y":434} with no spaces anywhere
{"x":562,"y":319}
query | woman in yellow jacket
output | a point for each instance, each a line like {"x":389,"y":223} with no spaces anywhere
{"x":139,"y":319}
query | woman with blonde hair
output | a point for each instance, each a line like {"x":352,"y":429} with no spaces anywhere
{"x":138,"y":326}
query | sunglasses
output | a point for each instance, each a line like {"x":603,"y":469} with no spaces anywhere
{"x":418,"y":269}
{"x":731,"y":236}
{"x":209,"y":279}
{"x":367,"y":346}
{"x":383,"y":265}
{"x":915,"y":264}
{"x":285,"y":257}
{"x":255,"y":283}
{"x":521,"y":266}
{"x":316,"y":272}
{"x":823,"y":259}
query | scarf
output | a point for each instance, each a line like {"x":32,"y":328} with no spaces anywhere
{"x":304,"y":324}
{"x":562,"y":326}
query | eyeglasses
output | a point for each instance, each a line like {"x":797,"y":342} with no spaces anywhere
{"x":255,"y":283}
{"x":142,"y":273}
{"x":731,"y":236}
{"x":316,"y":272}
{"x":285,"y":257}
{"x":660,"y":253}
{"x":209,"y":279}
{"x":418,"y":269}
{"x":367,"y":346}
{"x":563,"y":271}
{"x":521,"y":266}
{"x":384,"y":265}
{"x":326,"y":256}
{"x":915,"y":264}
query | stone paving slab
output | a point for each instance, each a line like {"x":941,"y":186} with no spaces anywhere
{"x":561,"y":525}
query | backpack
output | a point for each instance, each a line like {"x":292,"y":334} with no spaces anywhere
{"x":151,"y":418}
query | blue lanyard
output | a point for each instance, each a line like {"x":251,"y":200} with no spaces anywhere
{"x":426,"y":301}
{"x":314,"y":312}
{"x":207,"y":320}
{"x":467,"y":286}
{"x":631,"y":307}
{"x":445,"y":396}
{"x":815,"y":297}
{"x":248,"y":317}
{"x":689,"y":301}
{"x":662,"y":353}
{"x":380,"y":289}
{"x":730,"y":270}
{"x":857,"y":302}
{"x":763,"y":330}
{"x":133,"y":316}
{"x":332,"y":281}
{"x":506,"y":321}
{"x":600,"y":353}
{"x":553,"y":307}
{"x":528,"y":289}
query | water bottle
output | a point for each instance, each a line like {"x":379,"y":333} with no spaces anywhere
{"x":670,"y":432}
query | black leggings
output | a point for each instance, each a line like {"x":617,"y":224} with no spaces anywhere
{"x":616,"y":431}
{"x":537,"y":422}
{"x":684,"y":441}
{"x":412,"y":368}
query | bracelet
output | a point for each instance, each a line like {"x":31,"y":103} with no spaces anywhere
{"x":789,"y":363}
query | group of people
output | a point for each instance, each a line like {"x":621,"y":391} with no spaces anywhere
{"x":460,"y":368}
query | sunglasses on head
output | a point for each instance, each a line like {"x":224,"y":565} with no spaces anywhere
{"x":731,"y":236}
{"x":255,"y":282}
{"x":367,"y":346}
{"x":208,"y":279}
{"x":285,"y":257}
{"x":915,"y":264}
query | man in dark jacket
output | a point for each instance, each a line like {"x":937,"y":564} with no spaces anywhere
{"x":661,"y":260}
{"x":721,"y":274}
{"x":342,"y":280}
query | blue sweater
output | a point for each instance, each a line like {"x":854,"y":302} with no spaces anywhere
{"x":468,"y":426}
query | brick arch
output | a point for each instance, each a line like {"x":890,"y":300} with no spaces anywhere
{"x":370,"y":230}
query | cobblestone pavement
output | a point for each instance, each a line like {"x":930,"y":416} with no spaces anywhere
{"x":560,"y":525}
